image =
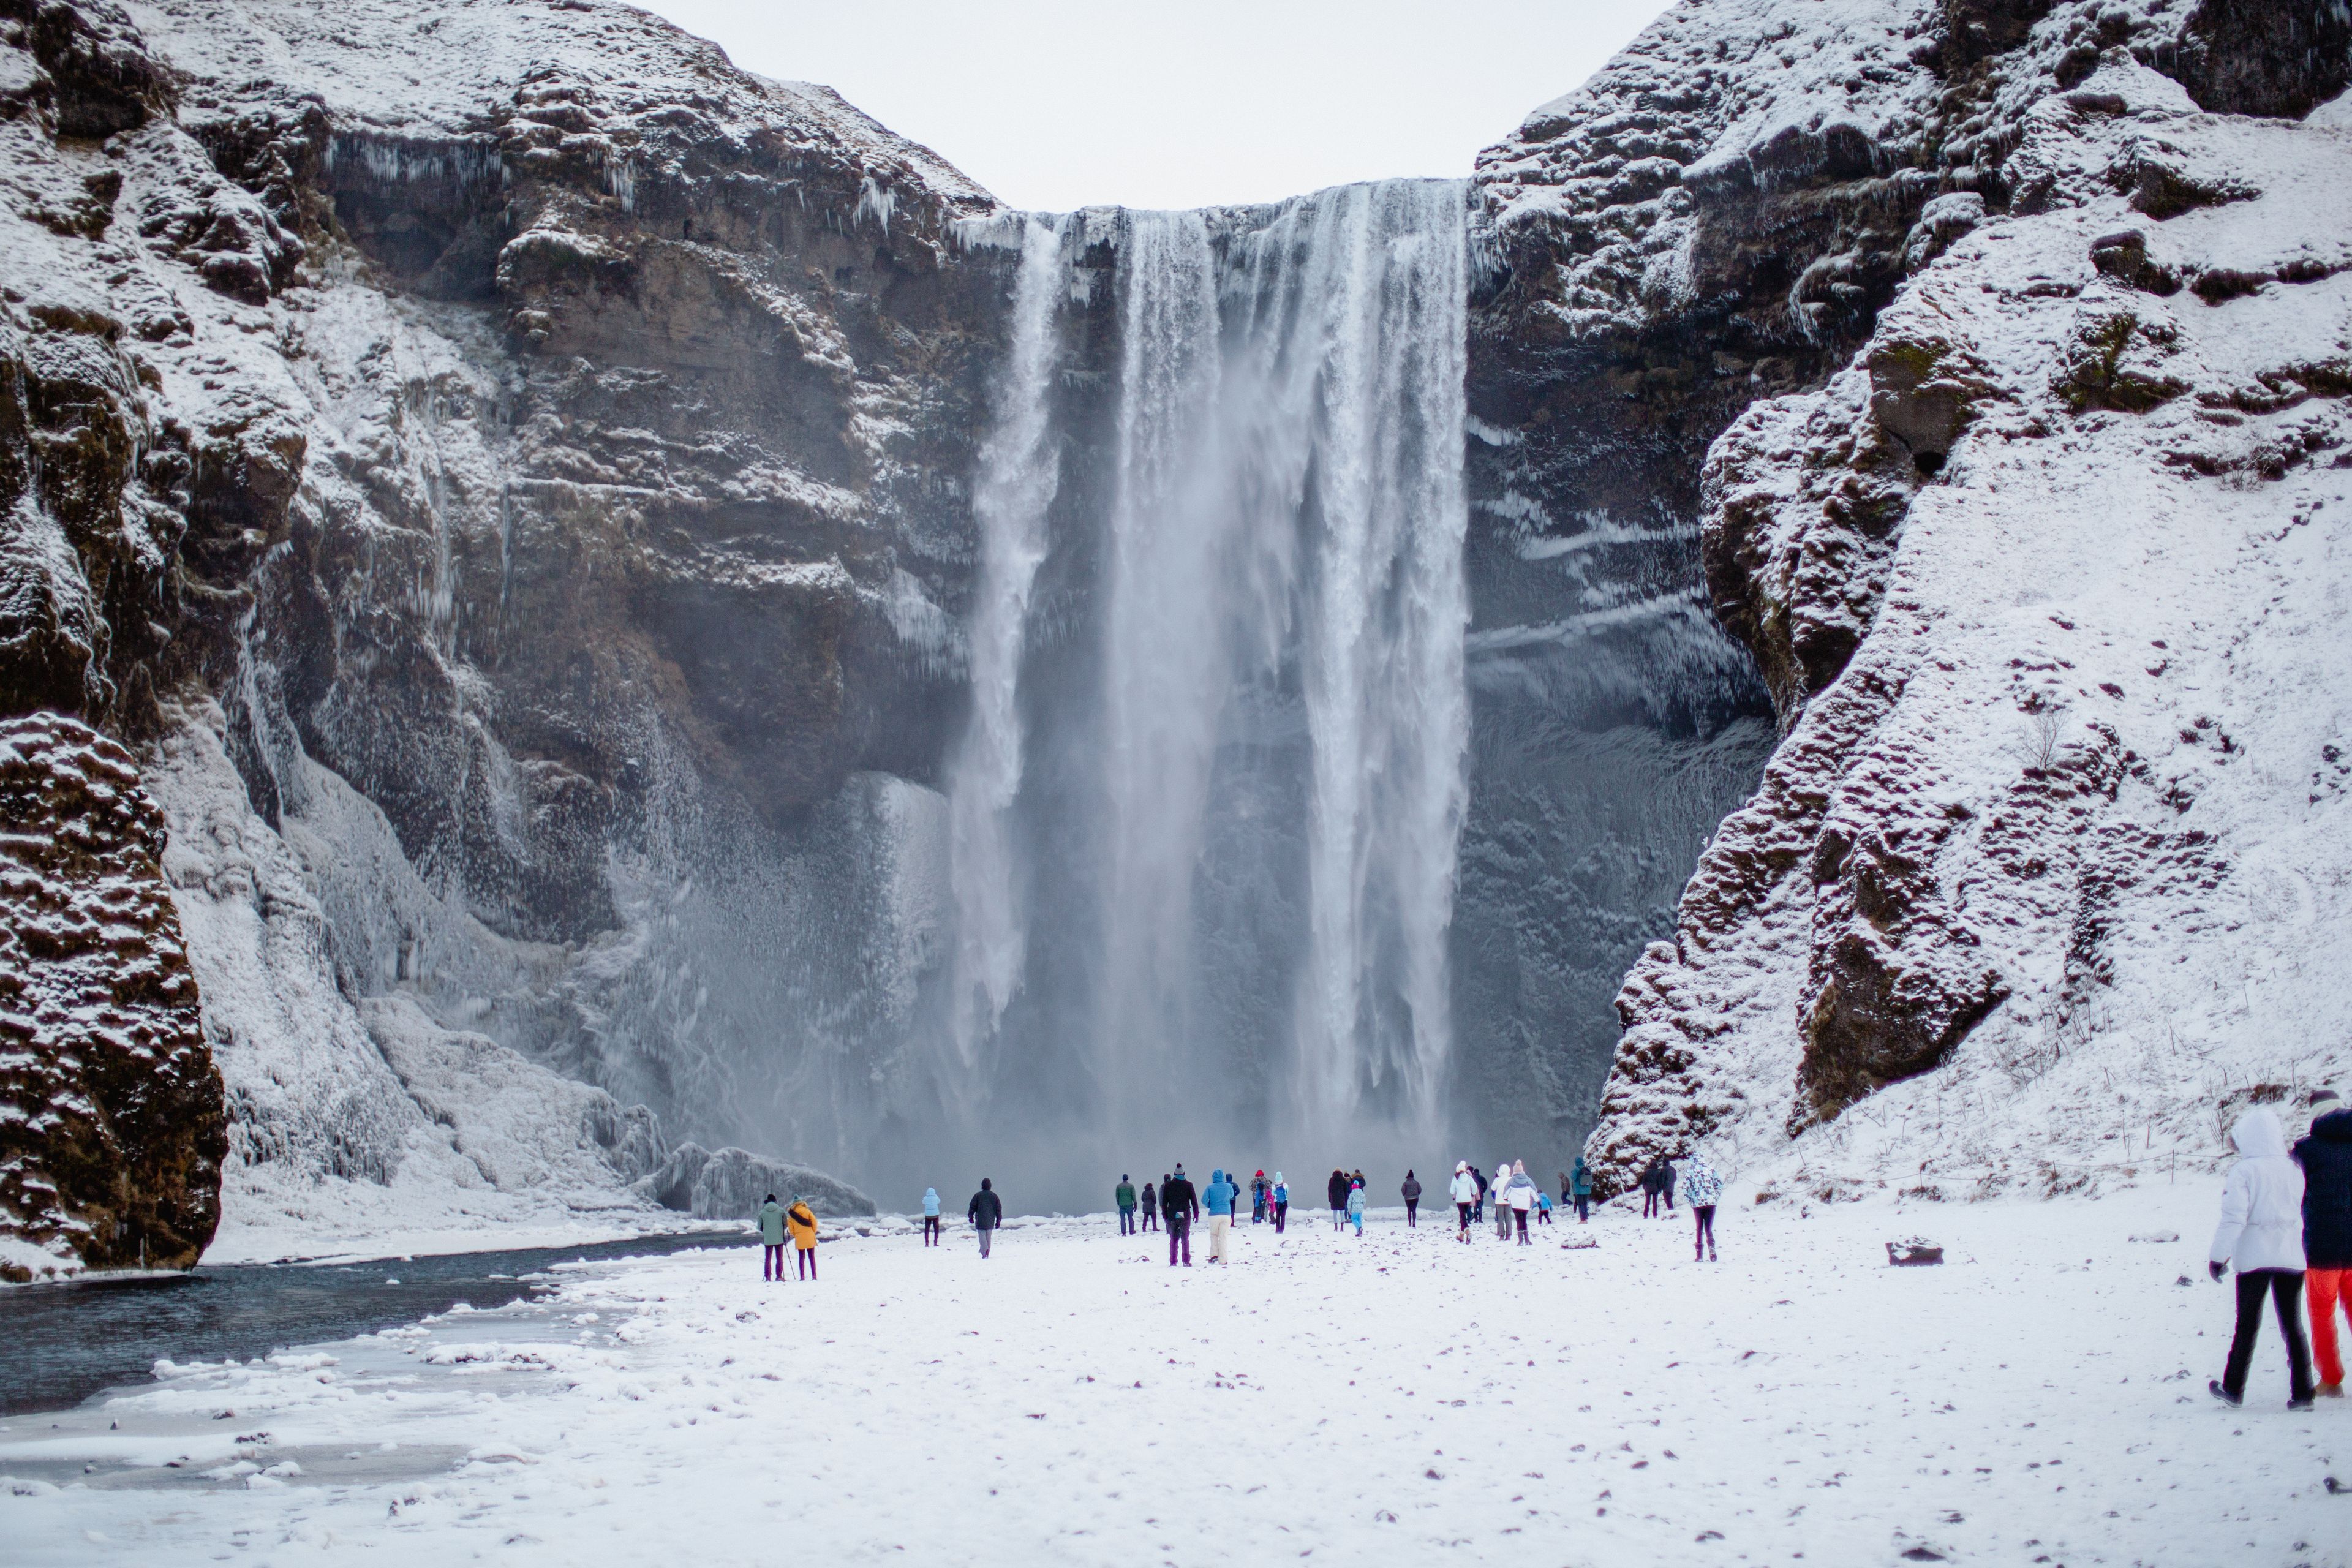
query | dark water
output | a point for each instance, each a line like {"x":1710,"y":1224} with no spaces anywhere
{"x":61,"y":1344}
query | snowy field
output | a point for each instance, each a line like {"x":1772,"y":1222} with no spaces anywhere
{"x":1396,"y":1399}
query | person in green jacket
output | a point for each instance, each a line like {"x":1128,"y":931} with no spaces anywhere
{"x":772,"y":1239}
{"x":1126,"y":1196}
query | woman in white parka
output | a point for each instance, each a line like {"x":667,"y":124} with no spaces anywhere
{"x":1465,"y":1194}
{"x":2261,"y":1234}
{"x":1500,"y":1192}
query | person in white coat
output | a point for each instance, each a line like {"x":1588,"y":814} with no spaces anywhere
{"x":1499,"y":1192}
{"x":1465,"y":1191}
{"x":2261,"y":1234}
{"x":1520,"y":1192}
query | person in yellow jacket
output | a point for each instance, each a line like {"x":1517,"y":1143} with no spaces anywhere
{"x":801,"y":1221}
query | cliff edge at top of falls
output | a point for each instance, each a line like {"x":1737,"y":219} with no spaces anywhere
{"x":2017,"y":339}
{"x":499,"y":464}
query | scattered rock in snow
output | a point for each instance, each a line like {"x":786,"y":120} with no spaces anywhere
{"x":1913,"y":1253}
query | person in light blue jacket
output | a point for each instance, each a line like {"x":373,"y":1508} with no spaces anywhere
{"x":1356,"y":1205}
{"x":1218,"y":1197}
{"x":930,"y":1216}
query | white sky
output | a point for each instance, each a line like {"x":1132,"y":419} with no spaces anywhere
{"x":1057,"y":104}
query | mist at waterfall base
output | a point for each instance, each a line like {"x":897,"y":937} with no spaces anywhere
{"x":1202,"y":820}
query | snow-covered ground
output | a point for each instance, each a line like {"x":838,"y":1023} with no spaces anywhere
{"x":1394,"y":1399}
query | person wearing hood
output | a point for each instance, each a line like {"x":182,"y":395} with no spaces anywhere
{"x":1411,"y":1192}
{"x":2325,"y":1156}
{"x":986,"y":1212}
{"x":1151,"y":1206}
{"x":1702,"y":1188}
{"x":772,"y":1239}
{"x":1356,"y":1205}
{"x":801,"y":1220}
{"x":1519,"y":1197}
{"x":1335,"y":1192}
{"x":1280,"y":1192}
{"x":2261,"y":1234}
{"x":1579,"y":1187}
{"x":1464,"y":1193}
{"x":1218,"y":1198}
{"x":930,"y":1216}
{"x":1124,"y":1197}
{"x":1180,"y":1207}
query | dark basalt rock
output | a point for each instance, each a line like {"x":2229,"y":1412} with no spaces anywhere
{"x":112,"y":1152}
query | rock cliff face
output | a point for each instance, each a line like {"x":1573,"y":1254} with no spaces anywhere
{"x":1982,"y":294}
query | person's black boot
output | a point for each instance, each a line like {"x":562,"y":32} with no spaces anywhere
{"x":2213,"y":1386}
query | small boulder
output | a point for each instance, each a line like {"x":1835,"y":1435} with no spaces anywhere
{"x":1912,"y":1252}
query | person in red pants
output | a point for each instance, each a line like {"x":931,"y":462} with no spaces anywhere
{"x":2325,"y":1156}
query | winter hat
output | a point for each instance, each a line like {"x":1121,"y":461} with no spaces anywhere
{"x":770,"y":1198}
{"x":1518,"y":1167}
{"x":1277,"y":1177}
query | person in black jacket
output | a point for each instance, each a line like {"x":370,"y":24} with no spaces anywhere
{"x":1151,"y":1206}
{"x":1336,"y":1190}
{"x":1478,"y":1208}
{"x":1180,"y":1205}
{"x":2325,"y":1156}
{"x":1411,"y":1191}
{"x":986,"y":1212}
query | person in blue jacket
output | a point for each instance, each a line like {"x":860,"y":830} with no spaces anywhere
{"x":1281,"y":1203}
{"x":930,"y":1216}
{"x":1218,"y":1198}
{"x":1356,"y":1204}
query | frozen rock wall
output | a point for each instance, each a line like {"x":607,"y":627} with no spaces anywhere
{"x":2026,"y":571}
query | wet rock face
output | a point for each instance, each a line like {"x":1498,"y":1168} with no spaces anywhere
{"x":110,"y":1156}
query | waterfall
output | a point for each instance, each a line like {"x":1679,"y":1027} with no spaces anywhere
{"x":1226,"y":833}
{"x":1020,"y":470}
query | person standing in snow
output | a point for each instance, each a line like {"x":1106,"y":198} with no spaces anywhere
{"x":1261,"y":1194}
{"x":2262,"y":1232}
{"x":1180,"y":1208}
{"x":1479,"y":1204}
{"x":1356,"y":1205}
{"x":1335,"y":1192}
{"x":801,"y":1220}
{"x":986,"y":1212}
{"x":1411,"y":1191}
{"x":772,"y":1239}
{"x":1219,"y":1198}
{"x":1151,"y":1206}
{"x":1543,"y":1207}
{"x":1280,"y":1191}
{"x":1521,"y":1192}
{"x":1701,"y":1189}
{"x":1579,"y":1186}
{"x":1500,"y":1192}
{"x":930,"y":1216}
{"x":1464,"y":1193}
{"x":2325,"y":1155}
{"x":1124,"y":1195}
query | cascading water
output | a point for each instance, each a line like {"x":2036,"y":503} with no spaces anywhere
{"x":1206,"y":823}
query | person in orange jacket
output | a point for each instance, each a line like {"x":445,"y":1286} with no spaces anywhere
{"x":801,"y":1220}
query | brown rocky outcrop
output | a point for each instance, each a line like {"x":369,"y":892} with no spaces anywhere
{"x":111,"y":1124}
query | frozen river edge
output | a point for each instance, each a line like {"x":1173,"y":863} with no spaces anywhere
{"x":1396,"y":1398}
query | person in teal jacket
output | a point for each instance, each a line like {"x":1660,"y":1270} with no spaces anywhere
{"x":1218,"y":1197}
{"x":1124,"y":1196}
{"x":930,"y":1216}
{"x":1356,"y":1205}
{"x":1579,"y":1187}
{"x":772,"y":1239}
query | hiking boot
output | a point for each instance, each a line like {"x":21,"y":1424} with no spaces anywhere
{"x":1711,"y":1257}
{"x":2303,"y":1404}
{"x":2331,"y":1390}
{"x":2213,"y":1386}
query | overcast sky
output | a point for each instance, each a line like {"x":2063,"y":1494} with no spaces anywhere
{"x":1056,"y":104}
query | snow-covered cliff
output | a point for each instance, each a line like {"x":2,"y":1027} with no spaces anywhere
{"x":2039,"y":571}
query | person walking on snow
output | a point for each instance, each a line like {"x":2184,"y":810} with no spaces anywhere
{"x":2325,"y":1156}
{"x":1219,"y":1197}
{"x":1521,"y":1189}
{"x":1579,"y":1186}
{"x":1411,"y":1191}
{"x":1124,"y":1195}
{"x":1151,"y":1206}
{"x":2262,"y":1232}
{"x":1479,"y":1204}
{"x":1180,"y":1208}
{"x":1281,"y":1193}
{"x":1335,"y":1191}
{"x":1657,"y":1188}
{"x":1543,"y":1208}
{"x":1701,"y":1189}
{"x":930,"y":1216}
{"x":772,"y":1239}
{"x":1464,"y":1193}
{"x":986,"y":1212}
{"x":1356,"y":1205}
{"x":801,"y":1220}
{"x":1261,"y":1193}
{"x":1500,"y":1192}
